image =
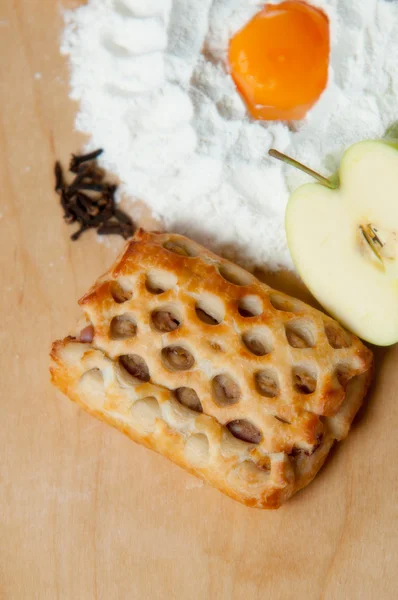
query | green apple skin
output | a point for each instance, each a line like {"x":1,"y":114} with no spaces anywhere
{"x":330,"y":252}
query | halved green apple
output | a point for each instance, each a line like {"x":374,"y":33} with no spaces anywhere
{"x":343,"y":237}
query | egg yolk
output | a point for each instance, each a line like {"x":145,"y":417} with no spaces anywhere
{"x":279,"y":60}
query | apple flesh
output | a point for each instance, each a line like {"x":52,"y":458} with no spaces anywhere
{"x":344,"y":241}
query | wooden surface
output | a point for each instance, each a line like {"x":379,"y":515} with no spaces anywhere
{"x":85,"y":513}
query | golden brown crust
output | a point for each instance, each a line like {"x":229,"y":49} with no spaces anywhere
{"x":175,"y":326}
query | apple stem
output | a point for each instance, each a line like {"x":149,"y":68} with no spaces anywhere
{"x":331,"y":184}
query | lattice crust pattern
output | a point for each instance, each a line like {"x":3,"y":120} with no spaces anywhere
{"x":194,"y":357}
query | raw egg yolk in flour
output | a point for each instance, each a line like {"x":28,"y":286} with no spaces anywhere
{"x":279,"y":60}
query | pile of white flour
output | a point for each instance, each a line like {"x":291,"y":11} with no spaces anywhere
{"x":154,"y":90}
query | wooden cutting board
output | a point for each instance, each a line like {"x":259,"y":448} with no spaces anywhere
{"x":84,"y":512}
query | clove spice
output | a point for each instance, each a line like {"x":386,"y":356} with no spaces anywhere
{"x":88,"y":200}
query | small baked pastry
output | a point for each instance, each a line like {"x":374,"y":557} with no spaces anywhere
{"x":192,"y":356}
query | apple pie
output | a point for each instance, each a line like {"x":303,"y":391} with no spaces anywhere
{"x":192,"y":356}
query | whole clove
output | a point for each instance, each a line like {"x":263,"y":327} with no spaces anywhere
{"x":88,"y":200}
{"x":88,"y":186}
{"x":78,"y":160}
{"x":59,"y":177}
